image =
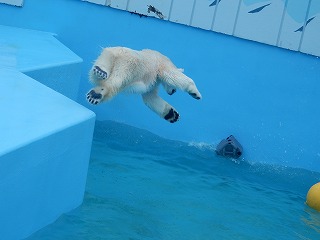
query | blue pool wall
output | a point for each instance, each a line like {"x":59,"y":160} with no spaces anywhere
{"x":266,"y":96}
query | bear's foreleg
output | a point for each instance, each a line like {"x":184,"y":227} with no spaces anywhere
{"x":176,"y":79}
{"x":159,"y":106}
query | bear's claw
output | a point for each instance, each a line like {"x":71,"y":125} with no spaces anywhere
{"x":172,"y":91}
{"x":93,"y":97}
{"x":172,"y":116}
{"x":99,"y":72}
{"x":195,"y":95}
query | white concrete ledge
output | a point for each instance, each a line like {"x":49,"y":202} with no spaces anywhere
{"x":41,"y":56}
{"x":45,"y":137}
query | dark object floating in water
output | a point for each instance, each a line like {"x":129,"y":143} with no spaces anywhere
{"x":259,"y":8}
{"x":303,"y":26}
{"x":156,"y":11}
{"x":215,"y":2}
{"x":229,"y":147}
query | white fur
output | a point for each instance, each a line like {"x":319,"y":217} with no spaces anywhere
{"x":139,"y":72}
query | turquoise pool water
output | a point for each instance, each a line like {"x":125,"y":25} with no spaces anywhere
{"x":141,"y":186}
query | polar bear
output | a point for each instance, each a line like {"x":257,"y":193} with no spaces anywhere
{"x":118,"y":69}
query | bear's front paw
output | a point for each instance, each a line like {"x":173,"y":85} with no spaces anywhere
{"x":195,"y":95}
{"x":97,"y":71}
{"x":94,"y":97}
{"x":172,"y":116}
{"x":193,"y":92}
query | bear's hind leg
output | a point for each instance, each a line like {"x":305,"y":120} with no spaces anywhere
{"x":159,"y":106}
{"x":172,"y":116}
{"x":102,"y":67}
{"x":99,"y":73}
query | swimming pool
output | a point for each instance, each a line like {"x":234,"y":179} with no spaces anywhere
{"x":264,"y":95}
{"x":141,"y":186}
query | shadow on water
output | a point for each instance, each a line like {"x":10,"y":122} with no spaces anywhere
{"x":201,"y":158}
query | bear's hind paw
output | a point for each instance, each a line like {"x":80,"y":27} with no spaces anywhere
{"x":172,"y":116}
{"x":99,"y":72}
{"x":93,"y":97}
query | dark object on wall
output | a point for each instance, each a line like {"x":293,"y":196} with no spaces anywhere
{"x":229,"y":147}
{"x":303,"y":26}
{"x":259,"y":8}
{"x":156,"y":11}
{"x":215,"y":2}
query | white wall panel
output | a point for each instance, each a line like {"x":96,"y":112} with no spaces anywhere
{"x":182,"y":11}
{"x":13,"y":2}
{"x":311,"y":36}
{"x":119,"y":4}
{"x":260,"y":21}
{"x":226,"y":15}
{"x":155,"y":8}
{"x":292,"y":25}
{"x":101,"y":2}
{"x":203,"y":14}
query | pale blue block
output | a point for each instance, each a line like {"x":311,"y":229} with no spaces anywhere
{"x":64,"y":78}
{"x":41,"y":56}
{"x":34,"y":49}
{"x":44,"y":154}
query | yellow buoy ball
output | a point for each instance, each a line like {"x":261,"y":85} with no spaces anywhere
{"x":313,"y":197}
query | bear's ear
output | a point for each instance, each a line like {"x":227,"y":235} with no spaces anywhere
{"x":181,"y":69}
